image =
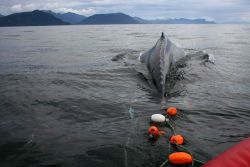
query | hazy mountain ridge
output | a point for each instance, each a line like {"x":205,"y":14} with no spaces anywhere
{"x":47,"y":17}
{"x":111,"y":18}
{"x":34,"y":18}
{"x":68,"y":17}
{"x":174,"y":21}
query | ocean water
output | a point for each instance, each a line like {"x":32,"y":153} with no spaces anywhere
{"x":64,"y":102}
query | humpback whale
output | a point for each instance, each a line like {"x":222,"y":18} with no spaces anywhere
{"x":159,"y":59}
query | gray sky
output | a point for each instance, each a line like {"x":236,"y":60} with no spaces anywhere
{"x":216,"y":10}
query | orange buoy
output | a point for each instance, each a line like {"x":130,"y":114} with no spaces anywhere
{"x":153,"y":130}
{"x":171,"y":111}
{"x":180,"y":158}
{"x":178,"y":139}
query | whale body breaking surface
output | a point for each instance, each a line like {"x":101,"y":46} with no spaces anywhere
{"x":159,"y":60}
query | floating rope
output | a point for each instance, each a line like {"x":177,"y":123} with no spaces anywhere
{"x":164,"y":163}
{"x":171,"y":127}
{"x":131,"y":112}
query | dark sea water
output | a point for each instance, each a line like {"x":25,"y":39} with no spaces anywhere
{"x":64,"y":102}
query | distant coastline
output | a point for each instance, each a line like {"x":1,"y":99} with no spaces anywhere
{"x":46,"y":18}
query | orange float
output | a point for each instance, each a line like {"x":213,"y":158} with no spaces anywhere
{"x":178,"y":139}
{"x":153,"y":130}
{"x":171,"y":111}
{"x":180,"y":158}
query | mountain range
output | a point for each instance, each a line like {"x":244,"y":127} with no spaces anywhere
{"x":69,"y":17}
{"x":34,"y":18}
{"x":174,"y":21}
{"x":46,"y":17}
{"x":112,"y":18}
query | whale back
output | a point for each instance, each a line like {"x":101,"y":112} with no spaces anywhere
{"x":159,"y":59}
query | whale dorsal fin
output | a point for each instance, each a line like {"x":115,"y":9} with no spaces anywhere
{"x":162,"y":35}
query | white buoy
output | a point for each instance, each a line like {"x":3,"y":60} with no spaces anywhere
{"x":158,"y":118}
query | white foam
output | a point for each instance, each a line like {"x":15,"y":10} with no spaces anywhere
{"x":211,"y":58}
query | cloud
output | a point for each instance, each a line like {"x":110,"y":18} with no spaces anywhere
{"x":85,"y":12}
{"x":55,"y":6}
{"x":16,"y":8}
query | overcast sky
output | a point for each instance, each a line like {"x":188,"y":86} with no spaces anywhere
{"x":217,"y":10}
